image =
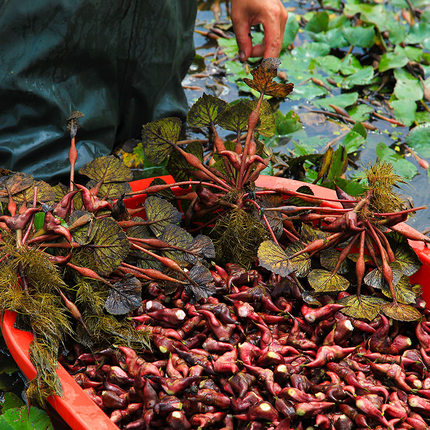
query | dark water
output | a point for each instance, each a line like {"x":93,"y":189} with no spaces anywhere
{"x":417,"y":189}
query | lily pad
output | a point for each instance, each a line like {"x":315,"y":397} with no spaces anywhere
{"x":111,"y":190}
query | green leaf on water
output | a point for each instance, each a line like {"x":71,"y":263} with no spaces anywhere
{"x":291,"y":29}
{"x":407,"y":86}
{"x":160,"y":213}
{"x":401,"y":312}
{"x":364,"y":307}
{"x":419,"y":138}
{"x":362,"y":77}
{"x":353,"y":141}
{"x":343,"y":100}
{"x":205,"y":111}
{"x":25,"y":419}
{"x":404,"y":111}
{"x":288,"y":123}
{"x":158,"y":138}
{"x":363,"y":37}
{"x":402,"y":167}
{"x":318,"y":22}
{"x":324,"y":281}
{"x":393,"y":60}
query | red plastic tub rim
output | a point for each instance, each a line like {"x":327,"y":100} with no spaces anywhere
{"x":75,"y":407}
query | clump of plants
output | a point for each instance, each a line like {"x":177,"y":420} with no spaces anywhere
{"x":77,"y":252}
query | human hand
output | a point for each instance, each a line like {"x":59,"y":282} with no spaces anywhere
{"x":271,"y":14}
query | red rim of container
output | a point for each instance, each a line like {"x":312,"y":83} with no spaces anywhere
{"x":75,"y":407}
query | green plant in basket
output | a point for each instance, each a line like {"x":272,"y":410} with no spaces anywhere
{"x":75,"y":261}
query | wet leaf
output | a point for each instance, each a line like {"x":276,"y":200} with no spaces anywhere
{"x":139,"y":231}
{"x":84,"y":234}
{"x":310,"y":299}
{"x":324,"y":281}
{"x":124,"y":296}
{"x":167,"y":194}
{"x":158,"y":138}
{"x":266,"y":125}
{"x":107,"y":169}
{"x":45,"y":194}
{"x":401,"y":312}
{"x":273,"y":217}
{"x":235,"y":116}
{"x":272,"y":257}
{"x":203,"y":283}
{"x":160,"y":213}
{"x":178,"y":237}
{"x":403,"y":291}
{"x":404,"y":254}
{"x":308,"y":234}
{"x":203,"y":246}
{"x":205,"y":111}
{"x":111,"y":190}
{"x":365,"y":307}
{"x":375,"y":278}
{"x":301,"y":263}
{"x":263,"y":79}
{"x":329,"y":258}
{"x":111,"y":245}
{"x":14,"y":184}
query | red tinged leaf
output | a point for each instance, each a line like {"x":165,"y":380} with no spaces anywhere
{"x":263,"y":77}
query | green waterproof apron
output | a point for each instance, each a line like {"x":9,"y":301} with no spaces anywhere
{"x":120,"y":62}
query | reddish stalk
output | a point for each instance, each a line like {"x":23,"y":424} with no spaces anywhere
{"x":386,"y":269}
{"x":252,"y":123}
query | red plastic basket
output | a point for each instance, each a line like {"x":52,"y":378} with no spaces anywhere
{"x":75,"y":407}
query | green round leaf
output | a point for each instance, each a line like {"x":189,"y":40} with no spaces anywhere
{"x":158,"y":138}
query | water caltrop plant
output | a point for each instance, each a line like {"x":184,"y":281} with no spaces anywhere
{"x":75,"y":261}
